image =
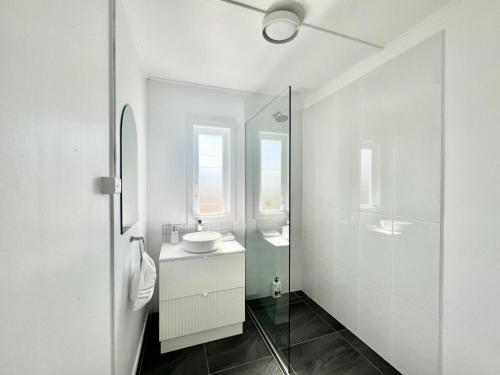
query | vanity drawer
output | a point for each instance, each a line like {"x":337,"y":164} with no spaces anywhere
{"x":189,"y":277}
{"x":188,"y":315}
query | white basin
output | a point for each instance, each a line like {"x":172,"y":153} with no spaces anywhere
{"x":201,"y":242}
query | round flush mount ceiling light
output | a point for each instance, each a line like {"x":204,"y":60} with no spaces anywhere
{"x":280,"y":26}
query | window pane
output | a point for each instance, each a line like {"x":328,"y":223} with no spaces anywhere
{"x":270,"y":175}
{"x":210,"y":174}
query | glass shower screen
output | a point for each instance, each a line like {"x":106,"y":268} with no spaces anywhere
{"x":267,"y":237}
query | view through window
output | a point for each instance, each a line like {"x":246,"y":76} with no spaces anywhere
{"x":211,"y":171}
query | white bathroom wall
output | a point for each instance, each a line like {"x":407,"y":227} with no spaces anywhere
{"x":372,"y":253}
{"x":169,"y":108}
{"x":130,"y":89}
{"x":470,"y":267}
{"x":54,"y":223}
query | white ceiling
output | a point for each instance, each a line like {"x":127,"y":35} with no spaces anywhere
{"x":213,"y":43}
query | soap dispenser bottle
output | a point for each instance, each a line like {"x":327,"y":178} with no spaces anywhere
{"x":174,"y":236}
{"x":276,"y":287}
{"x":200,"y":225}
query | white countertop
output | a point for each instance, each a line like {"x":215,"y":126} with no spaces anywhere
{"x":175,"y":252}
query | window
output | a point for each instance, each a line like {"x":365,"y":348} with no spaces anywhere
{"x":212,"y":171}
{"x":273,"y":171}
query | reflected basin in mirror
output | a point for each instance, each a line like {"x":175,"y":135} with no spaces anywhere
{"x":201,"y":242}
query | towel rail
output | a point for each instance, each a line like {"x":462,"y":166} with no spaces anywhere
{"x":142,"y":244}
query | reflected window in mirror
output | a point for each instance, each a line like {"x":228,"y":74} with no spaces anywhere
{"x":129,"y":205}
{"x":369,"y":193}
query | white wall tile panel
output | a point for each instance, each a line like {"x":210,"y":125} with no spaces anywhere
{"x":417,"y":175}
{"x":415,"y":339}
{"x":344,"y":147}
{"x":374,"y":317}
{"x":415,"y":264}
{"x":376,"y":245}
{"x":375,"y":248}
{"x":344,"y":244}
{"x":345,"y":296}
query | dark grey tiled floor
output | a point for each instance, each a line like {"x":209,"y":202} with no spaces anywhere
{"x":236,"y":350}
{"x":329,"y":354}
{"x":245,"y":354}
{"x":304,"y":325}
{"x":319,"y":345}
{"x":368,"y":353}
{"x":266,"y":366}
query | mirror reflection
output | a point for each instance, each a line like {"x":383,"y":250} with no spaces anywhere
{"x":128,"y":169}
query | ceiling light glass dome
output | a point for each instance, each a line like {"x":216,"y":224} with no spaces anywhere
{"x":280,"y":26}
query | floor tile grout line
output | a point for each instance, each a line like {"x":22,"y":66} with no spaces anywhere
{"x":242,"y":364}
{"x":314,"y":338}
{"x":361,"y":354}
{"x":322,"y":319}
{"x":206,"y":357}
{"x":304,"y":298}
{"x":319,"y":316}
{"x":340,"y":336}
{"x":253,"y":316}
{"x":292,"y":372}
{"x":260,"y":334}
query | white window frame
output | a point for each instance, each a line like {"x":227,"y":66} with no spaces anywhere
{"x":283,"y":137}
{"x":226,"y":129}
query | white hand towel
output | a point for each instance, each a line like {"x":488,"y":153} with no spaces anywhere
{"x":143,"y":281}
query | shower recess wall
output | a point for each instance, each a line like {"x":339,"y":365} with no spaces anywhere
{"x":371,"y":228}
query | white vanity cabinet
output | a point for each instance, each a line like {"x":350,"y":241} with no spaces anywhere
{"x":202,"y":296}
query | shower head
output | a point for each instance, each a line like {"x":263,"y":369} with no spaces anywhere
{"x":280,"y":117}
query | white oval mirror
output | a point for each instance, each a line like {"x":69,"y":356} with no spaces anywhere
{"x":128,"y":170}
